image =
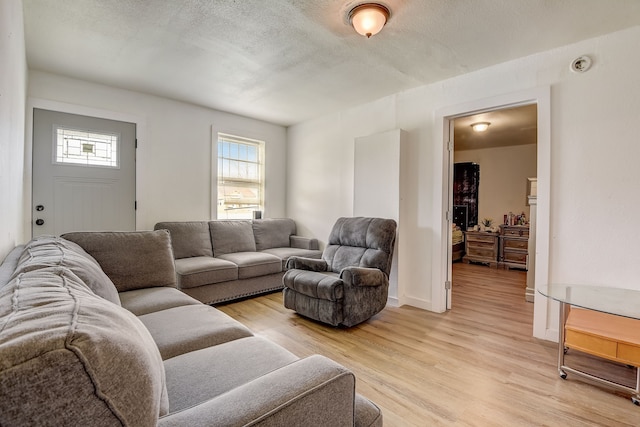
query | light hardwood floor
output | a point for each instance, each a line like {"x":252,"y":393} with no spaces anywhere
{"x":476,"y":365}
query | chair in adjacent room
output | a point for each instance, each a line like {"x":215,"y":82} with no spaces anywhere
{"x":351,"y":281}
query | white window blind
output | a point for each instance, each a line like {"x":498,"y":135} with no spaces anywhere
{"x":240,"y":177}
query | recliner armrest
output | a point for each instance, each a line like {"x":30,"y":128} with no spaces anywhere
{"x":296,"y":394}
{"x":302,"y":263}
{"x":303,"y":242}
{"x":361,"y":276}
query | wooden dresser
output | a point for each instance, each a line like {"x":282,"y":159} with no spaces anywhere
{"x":481,"y":246}
{"x":514,"y":246}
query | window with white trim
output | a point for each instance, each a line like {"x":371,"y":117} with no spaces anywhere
{"x":86,"y":148}
{"x":240,"y":177}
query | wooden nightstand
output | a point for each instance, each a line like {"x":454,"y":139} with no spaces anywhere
{"x":481,"y":246}
{"x":514,"y":246}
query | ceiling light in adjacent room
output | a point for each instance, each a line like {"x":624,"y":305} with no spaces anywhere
{"x":368,"y":18}
{"x":480,"y":126}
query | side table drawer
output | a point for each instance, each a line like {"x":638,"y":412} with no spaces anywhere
{"x":516,"y":244}
{"x":480,"y":238}
{"x":595,"y":345}
{"x":487,"y":252}
{"x":629,"y":354}
{"x":519,"y":257}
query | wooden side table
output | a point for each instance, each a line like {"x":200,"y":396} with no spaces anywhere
{"x":514,"y":246}
{"x":606,"y":325}
{"x":481,"y":246}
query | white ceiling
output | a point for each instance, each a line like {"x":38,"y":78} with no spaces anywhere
{"x":286,"y":61}
{"x":508,"y":126}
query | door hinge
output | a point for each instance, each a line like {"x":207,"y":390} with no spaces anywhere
{"x":136,"y":142}
{"x":447,"y":284}
{"x":135,"y":205}
{"x":450,"y":145}
{"x":449,"y":215}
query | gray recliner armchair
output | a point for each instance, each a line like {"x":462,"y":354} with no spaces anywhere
{"x":351,"y":281}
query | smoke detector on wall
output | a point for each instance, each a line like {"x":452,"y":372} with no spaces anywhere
{"x":581,"y":64}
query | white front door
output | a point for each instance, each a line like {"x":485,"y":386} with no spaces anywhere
{"x":83,"y":174}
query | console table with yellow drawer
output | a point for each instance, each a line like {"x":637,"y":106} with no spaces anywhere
{"x":603,"y":322}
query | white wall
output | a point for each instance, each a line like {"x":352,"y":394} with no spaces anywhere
{"x":503,"y":179}
{"x":594,"y":151}
{"x":13,"y":83}
{"x":174,"y":159}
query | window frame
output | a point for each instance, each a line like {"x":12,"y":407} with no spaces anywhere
{"x":239,"y":161}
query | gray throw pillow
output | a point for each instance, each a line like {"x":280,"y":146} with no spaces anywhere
{"x":131,"y":259}
{"x":231,"y":236}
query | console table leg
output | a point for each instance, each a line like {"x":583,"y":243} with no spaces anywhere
{"x":561,"y":351}
{"x":636,"y":398}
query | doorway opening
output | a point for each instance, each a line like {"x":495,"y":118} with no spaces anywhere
{"x":494,"y":167}
{"x":442,"y":296}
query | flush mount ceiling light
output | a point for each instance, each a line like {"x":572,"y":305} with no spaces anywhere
{"x":480,"y":126}
{"x":368,"y":18}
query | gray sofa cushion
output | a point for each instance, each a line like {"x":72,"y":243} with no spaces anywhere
{"x":149,"y":300}
{"x":273,"y":232}
{"x":254,"y":264}
{"x":87,"y":362}
{"x":188,"y":238}
{"x":49,"y":251}
{"x":309,"y":392}
{"x":199,"y":271}
{"x":285,"y":253}
{"x":131,"y":259}
{"x":190,"y":379}
{"x":231,"y":236}
{"x":183,"y":329}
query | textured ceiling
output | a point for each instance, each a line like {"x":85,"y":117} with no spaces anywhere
{"x":508,"y":126}
{"x":286,"y":61}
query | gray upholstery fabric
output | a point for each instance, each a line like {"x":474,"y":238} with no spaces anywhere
{"x":309,"y":264}
{"x":234,"y":289}
{"x":326,"y":286}
{"x":87,"y":362}
{"x":285,"y":253}
{"x":304,"y":243}
{"x":367,"y":413}
{"x":9,"y":265}
{"x":326,"y":311}
{"x":188,"y":238}
{"x":150,"y":300}
{"x":231,"y":236}
{"x":359,"y":254}
{"x":190,"y":378}
{"x":362,"y":242}
{"x":132,"y":259}
{"x":314,"y":391}
{"x":50,"y":251}
{"x":199,"y":271}
{"x":273,"y":233}
{"x":183,"y":329}
{"x":254,"y":264}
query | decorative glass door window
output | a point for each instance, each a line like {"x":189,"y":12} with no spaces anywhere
{"x":86,"y":148}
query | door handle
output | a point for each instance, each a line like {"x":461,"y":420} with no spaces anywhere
{"x":39,"y":221}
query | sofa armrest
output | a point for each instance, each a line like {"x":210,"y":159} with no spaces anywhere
{"x":303,"y":242}
{"x":361,"y":276}
{"x":296,"y":394}
{"x":302,"y":263}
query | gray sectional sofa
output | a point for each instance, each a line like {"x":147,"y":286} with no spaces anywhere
{"x":218,"y":261}
{"x":94,"y":332}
